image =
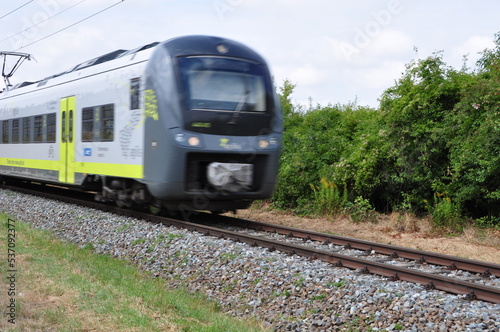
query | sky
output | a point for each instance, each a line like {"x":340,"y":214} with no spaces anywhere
{"x":335,"y":51}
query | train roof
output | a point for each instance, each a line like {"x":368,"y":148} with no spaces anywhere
{"x":178,"y":46}
{"x":209,"y":45}
{"x":92,"y":62}
{"x":109,"y":56}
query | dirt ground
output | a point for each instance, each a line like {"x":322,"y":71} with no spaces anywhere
{"x":396,"y":229}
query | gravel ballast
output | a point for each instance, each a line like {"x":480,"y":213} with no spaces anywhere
{"x":288,"y":293}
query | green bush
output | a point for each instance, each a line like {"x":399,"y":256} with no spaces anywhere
{"x":437,"y":130}
{"x":361,"y":210}
{"x":329,"y":199}
{"x":444,"y":212}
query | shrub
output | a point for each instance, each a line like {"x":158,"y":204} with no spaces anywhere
{"x":445,"y":213}
{"x":329,"y":199}
{"x":437,"y":130}
{"x":362,"y":211}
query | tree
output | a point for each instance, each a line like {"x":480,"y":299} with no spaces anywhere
{"x":474,"y":136}
{"x":414,"y":111}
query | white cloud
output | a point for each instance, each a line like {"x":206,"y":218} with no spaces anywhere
{"x":306,"y":75}
{"x":333,"y":50}
{"x":472,"y":48}
{"x":391,"y":43}
{"x":380,"y":77}
{"x":64,"y":51}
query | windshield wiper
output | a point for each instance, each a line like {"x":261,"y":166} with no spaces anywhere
{"x":239,"y":107}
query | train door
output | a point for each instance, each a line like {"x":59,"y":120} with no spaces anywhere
{"x":67,"y":142}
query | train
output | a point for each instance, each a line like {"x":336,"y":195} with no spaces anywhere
{"x":191,"y":123}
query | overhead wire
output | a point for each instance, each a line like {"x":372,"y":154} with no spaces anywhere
{"x":71,"y":25}
{"x":48,"y":18}
{"x":27,"y":3}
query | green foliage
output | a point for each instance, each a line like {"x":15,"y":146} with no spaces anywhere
{"x":361,"y":210}
{"x":329,"y":198}
{"x":444,"y":212}
{"x":339,"y":284}
{"x":364,"y":160}
{"x":474,"y":134}
{"x":488,"y":222}
{"x":437,"y":130}
{"x":415,"y":109}
{"x":286,"y":103}
{"x":310,"y":141}
{"x":325,"y":143}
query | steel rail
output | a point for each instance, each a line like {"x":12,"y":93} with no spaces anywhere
{"x":451,"y":262}
{"x":431,"y":281}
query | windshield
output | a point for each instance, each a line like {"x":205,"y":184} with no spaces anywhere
{"x":223,"y":84}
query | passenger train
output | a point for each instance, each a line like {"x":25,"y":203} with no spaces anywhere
{"x":192,"y":123}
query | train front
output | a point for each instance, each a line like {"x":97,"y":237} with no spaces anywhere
{"x":213,"y":125}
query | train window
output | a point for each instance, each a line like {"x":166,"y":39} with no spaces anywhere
{"x":15,"y":131}
{"x":51,"y":128}
{"x":70,"y":134}
{"x":224,"y":84}
{"x":27,"y":130}
{"x":108,"y":122}
{"x":5,"y":131}
{"x":38,"y":129}
{"x":63,"y":127}
{"x":135,"y":87}
{"x":98,"y":123}
{"x":87,"y":124}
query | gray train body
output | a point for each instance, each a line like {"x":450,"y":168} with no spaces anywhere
{"x":190,"y":123}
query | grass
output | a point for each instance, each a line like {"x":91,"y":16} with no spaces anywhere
{"x":60,"y":287}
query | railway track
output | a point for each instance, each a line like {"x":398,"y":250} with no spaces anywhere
{"x":363,"y":263}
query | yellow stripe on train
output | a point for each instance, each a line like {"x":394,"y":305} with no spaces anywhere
{"x":49,"y":165}
{"x":121,"y":170}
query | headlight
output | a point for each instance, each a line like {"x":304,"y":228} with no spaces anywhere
{"x":186,"y":139}
{"x":194,"y":141}
{"x":268,"y":142}
{"x":263,"y":143}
